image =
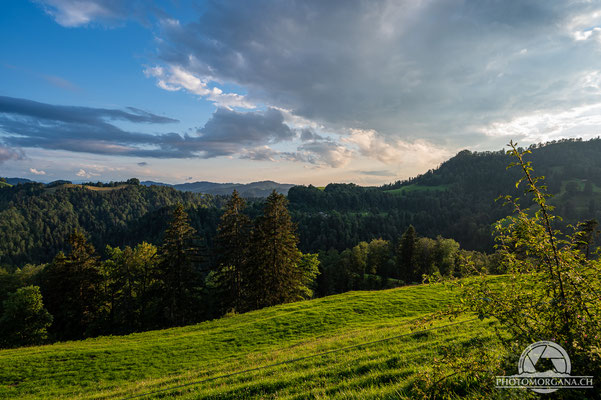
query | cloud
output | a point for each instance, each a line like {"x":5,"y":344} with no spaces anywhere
{"x":263,"y":153}
{"x":7,"y":154}
{"x":61,"y":83}
{"x":26,"y":123}
{"x":176,"y":78}
{"x":322,"y":153}
{"x":229,"y":132}
{"x":394,"y":151}
{"x":539,"y":127}
{"x":436,"y":70}
{"x":308,"y":135}
{"x":377,"y":173}
{"x":75,"y":13}
{"x":74,"y":114}
{"x":37,"y":172}
{"x":82,"y":173}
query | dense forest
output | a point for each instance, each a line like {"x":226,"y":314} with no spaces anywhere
{"x":456,"y":200}
{"x":83,"y":260}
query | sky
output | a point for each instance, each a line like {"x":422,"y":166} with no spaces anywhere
{"x":304,"y":92}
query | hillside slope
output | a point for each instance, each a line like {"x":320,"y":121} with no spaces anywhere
{"x":118,"y":367}
{"x":455,"y":200}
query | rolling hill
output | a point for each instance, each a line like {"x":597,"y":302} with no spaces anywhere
{"x":350,"y":327}
{"x":254,"y":189}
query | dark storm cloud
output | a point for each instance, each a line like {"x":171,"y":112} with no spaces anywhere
{"x":26,"y":123}
{"x":426,"y":69}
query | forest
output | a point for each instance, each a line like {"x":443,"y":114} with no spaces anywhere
{"x":92,"y":259}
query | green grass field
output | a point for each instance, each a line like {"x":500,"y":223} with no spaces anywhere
{"x":93,"y":188}
{"x":418,"y":188}
{"x":122,"y":366}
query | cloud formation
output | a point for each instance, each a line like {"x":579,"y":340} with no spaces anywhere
{"x":26,"y":123}
{"x":436,"y":70}
{"x":395,"y":82}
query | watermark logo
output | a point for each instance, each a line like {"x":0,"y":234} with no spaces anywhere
{"x":544,"y":367}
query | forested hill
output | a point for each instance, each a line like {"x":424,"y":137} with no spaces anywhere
{"x":36,"y":220}
{"x":456,"y":200}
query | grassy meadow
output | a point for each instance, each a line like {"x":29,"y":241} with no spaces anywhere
{"x":120,"y":366}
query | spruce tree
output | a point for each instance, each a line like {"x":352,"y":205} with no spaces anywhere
{"x":179,"y":270}
{"x":72,"y":290}
{"x":232,"y":247}
{"x":274,"y":273}
{"x":406,"y":255}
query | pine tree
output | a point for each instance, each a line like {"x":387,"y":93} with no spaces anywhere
{"x":179,"y":270}
{"x":232,"y":247}
{"x":73,"y":290}
{"x":406,"y":255}
{"x":274,"y":274}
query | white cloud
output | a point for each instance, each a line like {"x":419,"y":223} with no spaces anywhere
{"x":37,"y":172}
{"x":175,"y":78}
{"x":583,"y":121}
{"x":82,"y":173}
{"x":74,"y":13}
{"x":396,"y":151}
{"x":585,"y":25}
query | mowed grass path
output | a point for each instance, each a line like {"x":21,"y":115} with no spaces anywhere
{"x":122,"y":366}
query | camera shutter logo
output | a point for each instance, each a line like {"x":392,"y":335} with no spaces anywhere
{"x":544,"y":367}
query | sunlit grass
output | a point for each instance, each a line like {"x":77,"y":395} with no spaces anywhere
{"x":118,"y":366}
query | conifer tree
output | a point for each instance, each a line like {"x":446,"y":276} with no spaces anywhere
{"x":232,"y":247}
{"x":179,"y":270}
{"x":72,"y":290}
{"x":406,"y":255}
{"x":274,"y":274}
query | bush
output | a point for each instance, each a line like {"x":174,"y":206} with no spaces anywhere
{"x":25,"y":320}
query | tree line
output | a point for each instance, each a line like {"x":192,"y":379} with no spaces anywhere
{"x":381,"y":264}
{"x":456,"y":200}
{"x":254,"y":262}
{"x":144,"y":287}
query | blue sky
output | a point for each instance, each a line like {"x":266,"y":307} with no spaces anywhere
{"x":293,"y":91}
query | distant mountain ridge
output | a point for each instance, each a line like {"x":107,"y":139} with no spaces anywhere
{"x":16,"y":181}
{"x":253,"y":189}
